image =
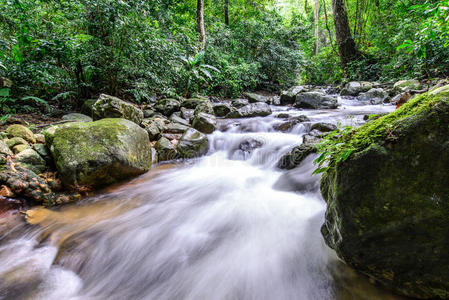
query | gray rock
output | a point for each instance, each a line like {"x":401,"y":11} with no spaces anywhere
{"x":113,"y":107}
{"x":315,"y":100}
{"x":175,"y":128}
{"x":204,"y":107}
{"x":238,"y":103}
{"x":166,"y":150}
{"x":407,"y":85}
{"x":374,"y":96}
{"x":254,"y":98}
{"x":251,"y":110}
{"x":324,"y":127}
{"x":187,"y":113}
{"x":295,"y":157}
{"x":176,"y":119}
{"x":31,"y":160}
{"x":193,"y":144}
{"x":205,"y":123}
{"x":76,"y":118}
{"x":167,"y":106}
{"x":289,"y":96}
{"x":221,"y":109}
{"x":192,"y":103}
{"x":354,"y":88}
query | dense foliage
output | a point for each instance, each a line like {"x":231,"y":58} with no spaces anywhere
{"x":62,"y":52}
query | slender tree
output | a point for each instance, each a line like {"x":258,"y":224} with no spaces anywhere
{"x":200,"y":22}
{"x":226,"y":12}
{"x":346,"y":46}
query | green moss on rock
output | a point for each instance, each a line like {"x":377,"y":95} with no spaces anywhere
{"x":388,"y":203}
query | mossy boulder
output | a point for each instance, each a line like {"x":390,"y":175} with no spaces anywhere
{"x":16,"y":141}
{"x":193,"y":144}
{"x":204,"y":107}
{"x":31,"y":160}
{"x":101,"y":152}
{"x":112,"y":107}
{"x":315,"y":100}
{"x":21,"y":131}
{"x":388,"y":202}
{"x":166,"y":150}
{"x":222,"y":109}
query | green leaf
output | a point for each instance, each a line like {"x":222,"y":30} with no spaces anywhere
{"x":5,"y":92}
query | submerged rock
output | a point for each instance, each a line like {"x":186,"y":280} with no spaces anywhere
{"x":315,"y":100}
{"x":193,"y":144}
{"x":388,"y":203}
{"x":112,"y":107}
{"x":101,"y":152}
{"x":295,"y":157}
{"x":251,"y":110}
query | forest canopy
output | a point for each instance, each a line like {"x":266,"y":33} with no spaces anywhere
{"x":68,"y":51}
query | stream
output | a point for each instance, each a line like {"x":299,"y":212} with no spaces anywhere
{"x":227,"y":226}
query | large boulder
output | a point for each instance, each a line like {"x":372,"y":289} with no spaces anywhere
{"x":289,"y":96}
{"x":238,"y":103}
{"x":407,"y":85}
{"x":388,"y":202}
{"x":167,"y":106}
{"x":251,"y":110}
{"x":204,"y":107}
{"x":193,"y":144}
{"x":205,"y":123}
{"x":354,"y":88}
{"x":113,"y":107}
{"x":222,"y":109}
{"x":20,"y":131}
{"x":315,"y":100}
{"x":101,"y":152}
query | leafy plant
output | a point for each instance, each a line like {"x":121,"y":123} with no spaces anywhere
{"x":196,"y":72}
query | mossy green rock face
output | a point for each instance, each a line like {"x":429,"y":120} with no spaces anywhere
{"x":388,"y":204}
{"x":21,"y":131}
{"x":193,"y":144}
{"x":101,"y":152}
{"x":112,"y":107}
{"x":407,"y":85}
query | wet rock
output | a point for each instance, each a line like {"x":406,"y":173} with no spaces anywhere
{"x":193,"y":144}
{"x":251,"y":144}
{"x":407,"y":85}
{"x":148,"y":113}
{"x":24,"y":182}
{"x":289,"y":96}
{"x":192,"y":103}
{"x":154,"y":127}
{"x":238,"y":103}
{"x":299,"y":179}
{"x":101,"y":152}
{"x":251,"y":110}
{"x":113,"y":107}
{"x":354,"y":88}
{"x":204,"y":107}
{"x":222,"y":109}
{"x":295,"y":156}
{"x":254,"y":98}
{"x":205,"y":123}
{"x":324,"y":127}
{"x":283,"y":116}
{"x":315,"y":100}
{"x":301,"y":118}
{"x":167,"y":106}
{"x":175,"y":128}
{"x":76,"y":118}
{"x":187,"y":114}
{"x":20,"y":131}
{"x":374,"y":96}
{"x":166,"y":150}
{"x":177,"y":119}
{"x":387,"y":213}
{"x":31,"y":160}
{"x":286,"y":126}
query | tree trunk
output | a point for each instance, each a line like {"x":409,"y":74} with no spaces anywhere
{"x":315,"y":26}
{"x":200,"y":22}
{"x":306,"y":6}
{"x":346,"y":45}
{"x":226,"y":12}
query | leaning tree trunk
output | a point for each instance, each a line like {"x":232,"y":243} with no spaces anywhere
{"x":346,"y":46}
{"x":315,"y":25}
{"x":226,"y":12}
{"x":200,"y":22}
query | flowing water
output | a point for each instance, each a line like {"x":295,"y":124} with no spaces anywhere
{"x":226,"y":226}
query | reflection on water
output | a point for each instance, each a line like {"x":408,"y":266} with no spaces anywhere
{"x":226,"y":226}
